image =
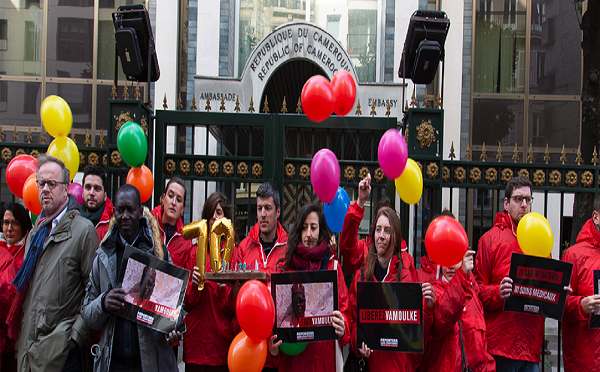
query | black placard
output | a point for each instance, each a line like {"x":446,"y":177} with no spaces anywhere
{"x":538,"y":285}
{"x":390,"y":316}
{"x":157,"y":308}
{"x":320,"y":300}
{"x":595,"y":317}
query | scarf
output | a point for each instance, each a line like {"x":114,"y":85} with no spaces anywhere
{"x":21,"y":281}
{"x":309,"y":258}
{"x":94,"y":216}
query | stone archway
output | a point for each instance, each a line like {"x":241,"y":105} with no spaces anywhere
{"x":287,"y":81}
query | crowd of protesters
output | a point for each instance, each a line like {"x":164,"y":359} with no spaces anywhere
{"x":59,"y":293}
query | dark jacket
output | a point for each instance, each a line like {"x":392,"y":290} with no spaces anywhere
{"x":155,"y":352}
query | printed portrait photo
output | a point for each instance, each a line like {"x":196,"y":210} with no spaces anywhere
{"x":296,"y":302}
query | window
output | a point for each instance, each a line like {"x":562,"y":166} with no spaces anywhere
{"x":73,"y":36}
{"x":362,"y":42}
{"x":31,"y":98}
{"x":333,"y":25}
{"x":3,"y":34}
{"x":31,"y":42}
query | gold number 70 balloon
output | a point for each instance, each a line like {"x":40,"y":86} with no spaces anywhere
{"x":222,"y":227}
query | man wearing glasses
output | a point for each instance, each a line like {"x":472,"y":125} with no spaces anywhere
{"x":514,"y":340}
{"x":51,"y":282}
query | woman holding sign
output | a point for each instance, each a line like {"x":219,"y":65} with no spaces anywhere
{"x":308,"y":249}
{"x":384,"y":264}
{"x":210,"y":333}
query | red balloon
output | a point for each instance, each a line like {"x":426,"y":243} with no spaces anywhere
{"x":141,"y":178}
{"x":245,"y":354}
{"x":344,"y":92}
{"x":446,"y":241}
{"x":30,"y":195}
{"x":255,"y":310}
{"x":17,"y":172}
{"x":317,"y":98}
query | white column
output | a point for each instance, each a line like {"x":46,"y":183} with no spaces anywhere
{"x":167,"y":41}
{"x":207,"y":44}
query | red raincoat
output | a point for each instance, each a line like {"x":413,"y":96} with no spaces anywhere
{"x":251,"y":252}
{"x":390,"y":361}
{"x":209,"y":329}
{"x":511,"y":335}
{"x":581,"y":344}
{"x":320,"y":356}
{"x":428,"y":272}
{"x":16,"y":250}
{"x":179,"y":248}
{"x":102,"y":226}
{"x":8,"y":271}
{"x":456,"y":301}
{"x":354,"y":251}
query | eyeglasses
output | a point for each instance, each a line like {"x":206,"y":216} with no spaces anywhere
{"x":51,"y":184}
{"x":519,"y":199}
{"x":15,"y":224}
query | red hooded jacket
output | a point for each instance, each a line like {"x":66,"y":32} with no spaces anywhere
{"x":16,"y":250}
{"x":390,"y":361}
{"x":428,"y":273}
{"x":354,"y":251}
{"x":251,"y":252}
{"x":511,"y":335}
{"x":209,"y":330}
{"x":581,"y":344}
{"x":8,"y":271}
{"x":456,"y":301}
{"x":102,"y":226}
{"x":320,"y":356}
{"x":179,"y":248}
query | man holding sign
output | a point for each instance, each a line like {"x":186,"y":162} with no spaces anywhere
{"x":514,"y":340}
{"x":581,"y":342}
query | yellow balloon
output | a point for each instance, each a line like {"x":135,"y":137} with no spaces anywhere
{"x":56,"y":116}
{"x":534,"y":235}
{"x":410,"y":183}
{"x":66,"y":150}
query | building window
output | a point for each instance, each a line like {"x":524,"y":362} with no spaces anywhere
{"x":333,"y":25}
{"x":72,"y":39}
{"x":31,"y":101}
{"x":80,"y":3}
{"x":3,"y":34}
{"x":362,"y":42}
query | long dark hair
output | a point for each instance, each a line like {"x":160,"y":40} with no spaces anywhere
{"x":395,"y":243}
{"x":295,"y":235}
{"x":20,"y":214}
{"x":216,"y":198}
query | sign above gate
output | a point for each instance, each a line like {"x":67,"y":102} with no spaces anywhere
{"x":294,"y":41}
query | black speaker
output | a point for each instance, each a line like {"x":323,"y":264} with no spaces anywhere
{"x":424,"y":46}
{"x":135,"y":43}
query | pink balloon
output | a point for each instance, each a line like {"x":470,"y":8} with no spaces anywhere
{"x":325,"y":175}
{"x":76,"y":190}
{"x":392,"y":153}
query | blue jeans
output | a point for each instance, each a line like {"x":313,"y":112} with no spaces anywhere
{"x":512,"y":365}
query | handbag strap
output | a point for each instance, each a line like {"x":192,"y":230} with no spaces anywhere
{"x":462,"y":347}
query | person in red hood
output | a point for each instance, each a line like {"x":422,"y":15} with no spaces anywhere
{"x":209,"y":328}
{"x":429,"y":272}
{"x":458,"y":321}
{"x":580,"y":343}
{"x":308,"y":250}
{"x":16,"y":225}
{"x":384,"y":264}
{"x":96,"y":207}
{"x":264,"y":246}
{"x":354,"y":251}
{"x":8,"y":270}
{"x":168,"y":214}
{"x":514,"y":339}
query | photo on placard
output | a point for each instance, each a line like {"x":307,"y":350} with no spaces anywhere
{"x":154,"y":290}
{"x":595,"y":317}
{"x":304,"y":305}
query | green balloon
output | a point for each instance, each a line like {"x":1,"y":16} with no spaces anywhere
{"x":293,"y":349}
{"x":33,"y":217}
{"x":132,"y":144}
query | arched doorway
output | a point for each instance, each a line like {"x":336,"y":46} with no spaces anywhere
{"x":287,"y":82}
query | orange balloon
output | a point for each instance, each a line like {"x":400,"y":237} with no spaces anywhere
{"x":141,"y":179}
{"x":30,"y":195}
{"x":246,"y":354}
